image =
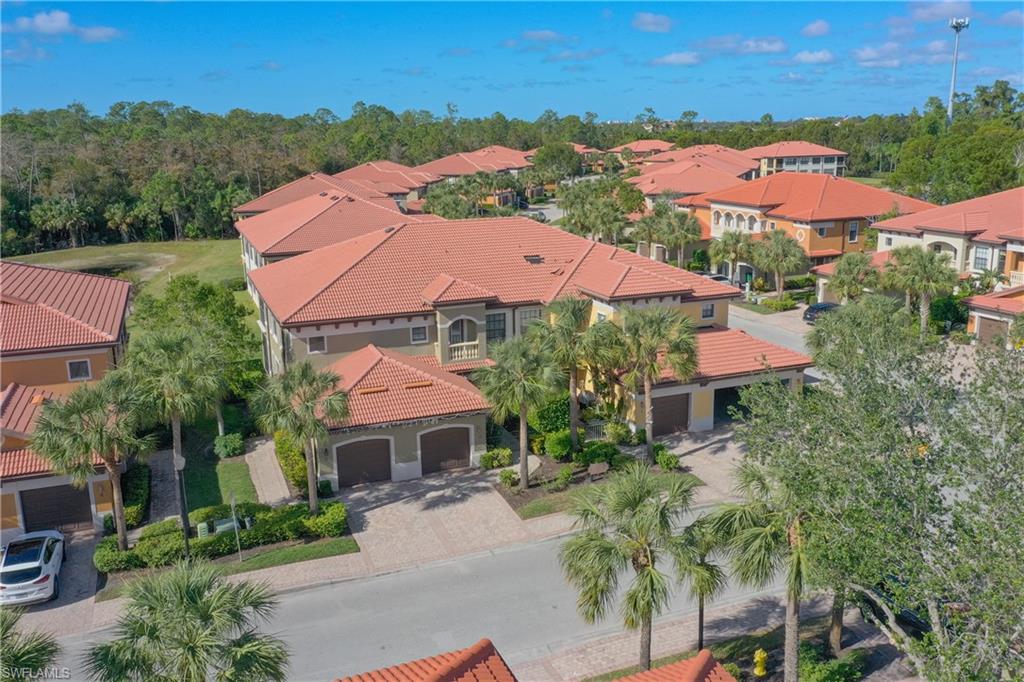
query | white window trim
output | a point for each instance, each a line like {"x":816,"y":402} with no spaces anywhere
{"x":426,"y":335}
{"x":309,"y":348}
{"x":853,"y":231}
{"x":707,"y":317}
{"x":88,"y":364}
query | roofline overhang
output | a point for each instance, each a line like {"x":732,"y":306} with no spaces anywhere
{"x":704,"y":380}
{"x":60,"y":349}
{"x":405,"y":422}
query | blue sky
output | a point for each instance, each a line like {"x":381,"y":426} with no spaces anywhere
{"x":727,"y":61}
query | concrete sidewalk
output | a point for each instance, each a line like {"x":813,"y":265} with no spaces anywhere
{"x":265,"y":472}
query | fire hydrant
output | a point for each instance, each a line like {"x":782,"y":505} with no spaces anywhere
{"x":760,"y":659}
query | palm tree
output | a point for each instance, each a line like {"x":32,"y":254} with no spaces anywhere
{"x":706,"y":578}
{"x":604,"y":219}
{"x":521,"y":378}
{"x":655,"y":338}
{"x":679,"y":229}
{"x":987,"y":280}
{"x":732,"y":247}
{"x":32,"y":651}
{"x":628,"y":524}
{"x":780,"y":254}
{"x":897,"y":272}
{"x":648,"y":227}
{"x":853,"y":274}
{"x":926,"y":274}
{"x":190,"y":624}
{"x":100,"y":420}
{"x":299,"y":401}
{"x":603,"y":354}
{"x":763,"y":535}
{"x":177,"y":379}
{"x":562,"y":339}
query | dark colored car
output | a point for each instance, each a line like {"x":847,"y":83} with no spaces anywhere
{"x":815,"y":310}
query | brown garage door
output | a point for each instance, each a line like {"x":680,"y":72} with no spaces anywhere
{"x":60,"y":507}
{"x":444,"y":449}
{"x":364,"y":461}
{"x":989,"y":330}
{"x":671,"y":413}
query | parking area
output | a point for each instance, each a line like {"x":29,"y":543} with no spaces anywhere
{"x":712,"y":456}
{"x":72,"y":612}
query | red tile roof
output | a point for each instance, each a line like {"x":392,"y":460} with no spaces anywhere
{"x":683,"y":177}
{"x":644,"y":146}
{"x":490,"y":159}
{"x":308,"y":185}
{"x":520,"y":261}
{"x":701,"y":668}
{"x":715,"y":155}
{"x":20,"y":406}
{"x":878,"y":261}
{"x":815,"y":196}
{"x":478,"y":663}
{"x":991,"y":218}
{"x":446,"y":290}
{"x":1008,"y":301}
{"x":44,"y":308}
{"x":791,"y":148}
{"x":317,"y":220}
{"x":389,"y":177}
{"x":725,"y":353}
{"x":24,"y":463}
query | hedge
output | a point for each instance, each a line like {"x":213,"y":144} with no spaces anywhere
{"x":293,"y":460}
{"x":228,"y":445}
{"x":496,"y":458}
{"x":552,"y":415}
{"x":135,"y":495}
{"x":596,"y":451}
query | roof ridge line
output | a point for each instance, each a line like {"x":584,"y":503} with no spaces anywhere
{"x":77,"y":321}
{"x":54,"y":268}
{"x":362,"y":375}
{"x":332,"y":204}
{"x":560,"y":285}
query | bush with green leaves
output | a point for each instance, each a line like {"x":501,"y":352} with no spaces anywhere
{"x":734,"y":670}
{"x":557,"y":444}
{"x":135,"y":496}
{"x":161,"y":528}
{"x":331,"y":522}
{"x":596,"y":451}
{"x":617,"y":432}
{"x":292,"y":457}
{"x":779,"y":305}
{"x":107,"y":558}
{"x":324,"y":488}
{"x":800,"y":282}
{"x":639,"y":437}
{"x":160,"y":550}
{"x":666,"y":460}
{"x":228,"y":445}
{"x":496,"y":458}
{"x":562,"y":480}
{"x":552,"y":415}
{"x":537,"y":444}
{"x":509,"y":478}
{"x":816,"y":667}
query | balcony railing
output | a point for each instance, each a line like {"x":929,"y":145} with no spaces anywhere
{"x":1017,"y":278}
{"x":458,"y":352}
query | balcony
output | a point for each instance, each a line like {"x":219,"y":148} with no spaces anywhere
{"x":459,"y":352}
{"x":1017,"y":278}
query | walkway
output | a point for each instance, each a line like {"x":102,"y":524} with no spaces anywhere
{"x":265,"y":472}
{"x":163,"y":500}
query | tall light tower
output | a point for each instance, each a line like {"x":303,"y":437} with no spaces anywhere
{"x":957,"y":25}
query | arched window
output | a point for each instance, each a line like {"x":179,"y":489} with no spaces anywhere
{"x":751,"y":222}
{"x":728,"y":220}
{"x":717,"y":218}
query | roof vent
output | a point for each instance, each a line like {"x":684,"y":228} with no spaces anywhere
{"x":38,"y":399}
{"x":389,"y":229}
{"x":323,"y":194}
{"x":419,"y":384}
{"x":334,"y":197}
{"x":534,"y":259}
{"x":371,"y":389}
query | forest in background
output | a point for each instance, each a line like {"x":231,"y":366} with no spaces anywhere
{"x":152,"y":171}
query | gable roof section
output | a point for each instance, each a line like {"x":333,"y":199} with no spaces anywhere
{"x":492,"y":159}
{"x":317,"y":220}
{"x":683,"y":177}
{"x":644,"y":146}
{"x":446,"y":289}
{"x":518,"y":260}
{"x":20,"y":406}
{"x":43,"y":308}
{"x":385,"y":387}
{"x":723,"y":353}
{"x":308,"y":185}
{"x":1007,"y":301}
{"x":878,"y":261}
{"x":715,"y":155}
{"x":388,"y":177}
{"x":991,"y":218}
{"x":478,"y":663}
{"x":701,"y":668}
{"x":791,"y":148}
{"x":810,"y":197}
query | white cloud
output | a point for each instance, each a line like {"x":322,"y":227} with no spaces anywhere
{"x":816,"y":29}
{"x":1014,"y":18}
{"x":24,"y":51}
{"x":884,"y":56}
{"x":576,"y":55}
{"x":545,"y":36}
{"x":939,"y":11}
{"x":736,"y":43}
{"x":769,"y":45}
{"x":899,"y":27}
{"x":58,"y":23}
{"x":815,"y":57}
{"x":677,"y":59}
{"x":936,"y":46}
{"x":652,"y":23}
{"x":791,"y":77}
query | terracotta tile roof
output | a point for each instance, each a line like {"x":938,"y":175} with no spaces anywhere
{"x":44,"y":308}
{"x":24,"y":463}
{"x":446,"y":289}
{"x":20,"y":406}
{"x":723,"y":352}
{"x":791,"y":148}
{"x":478,"y":663}
{"x":991,"y":218}
{"x":701,"y":668}
{"x":385,"y":387}
{"x":490,"y":159}
{"x":824,"y":253}
{"x":683,"y":177}
{"x":878,"y":261}
{"x":715,"y":155}
{"x":520,"y":261}
{"x":307,"y":185}
{"x":1008,"y":301}
{"x":389,"y":177}
{"x":644,"y":146}
{"x":815,"y":196}
{"x":464,"y":367}
{"x":317,"y":220}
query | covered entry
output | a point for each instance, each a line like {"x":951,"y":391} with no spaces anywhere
{"x":444,"y":449}
{"x":364,"y":461}
{"x":671,"y":413}
{"x":59,"y":507}
{"x":990,"y":330}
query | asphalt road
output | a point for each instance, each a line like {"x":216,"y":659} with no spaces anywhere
{"x":783,"y":329}
{"x":516,"y":596}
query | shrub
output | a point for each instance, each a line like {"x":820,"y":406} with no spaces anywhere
{"x":699,"y":261}
{"x":108,"y":559}
{"x":228,"y":445}
{"x":617,"y":432}
{"x":552,"y":415}
{"x":815,"y":667}
{"x":759,"y":284}
{"x":557,"y":444}
{"x":666,"y":460}
{"x":537,"y":444}
{"x":562,"y":480}
{"x":596,"y":451}
{"x":508,"y":478}
{"x":134,"y":495}
{"x":234,"y":283}
{"x":733,"y":670}
{"x":948,"y":309}
{"x":961,"y":337}
{"x":800,"y":282}
{"x":223,"y":511}
{"x":160,"y":550}
{"x":293,"y":460}
{"x":330,"y":523}
{"x":160,"y":528}
{"x":324,"y":489}
{"x":639,"y":437}
{"x":496,"y":458}
{"x":779,"y":305}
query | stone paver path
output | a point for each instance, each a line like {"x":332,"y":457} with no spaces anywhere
{"x":711,"y":456}
{"x":163,"y":498}
{"x":265,"y":472}
{"x":72,"y":612}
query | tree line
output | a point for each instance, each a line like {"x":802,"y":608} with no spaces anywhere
{"x":157,"y":171}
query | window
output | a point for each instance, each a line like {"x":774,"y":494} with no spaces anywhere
{"x":457,"y":332}
{"x":822,"y":231}
{"x":601,"y":317}
{"x":316,"y":344}
{"x":816,"y":160}
{"x":418,"y":334}
{"x":707,"y":311}
{"x":854,"y":228}
{"x":771,"y":225}
{"x":830,"y":159}
{"x":1001,"y":261}
{"x":495,"y":327}
{"x":888,"y":241}
{"x":980,"y":257}
{"x":526,"y":317}
{"x":751,"y":222}
{"x":79,"y":370}
{"x":717,"y":218}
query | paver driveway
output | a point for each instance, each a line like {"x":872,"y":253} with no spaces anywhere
{"x":73,"y":611}
{"x":436,"y":517}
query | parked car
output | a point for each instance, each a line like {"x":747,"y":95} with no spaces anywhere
{"x":719,"y":278}
{"x":536,"y":215}
{"x":815,"y":310}
{"x":30,"y":568}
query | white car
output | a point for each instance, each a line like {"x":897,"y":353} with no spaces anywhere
{"x":30,"y":568}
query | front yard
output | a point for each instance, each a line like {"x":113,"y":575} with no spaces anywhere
{"x":208,"y":480}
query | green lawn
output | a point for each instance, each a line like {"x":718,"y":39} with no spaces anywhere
{"x":560,"y":501}
{"x":209,"y":481}
{"x":754,"y":307}
{"x":873,"y":182}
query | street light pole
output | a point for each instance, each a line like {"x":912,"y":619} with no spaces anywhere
{"x":957,"y":25}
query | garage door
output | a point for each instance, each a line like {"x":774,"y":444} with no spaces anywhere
{"x":60,"y":507}
{"x":989,"y":330}
{"x":364,"y":461}
{"x":444,"y":449}
{"x":671,"y":413}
